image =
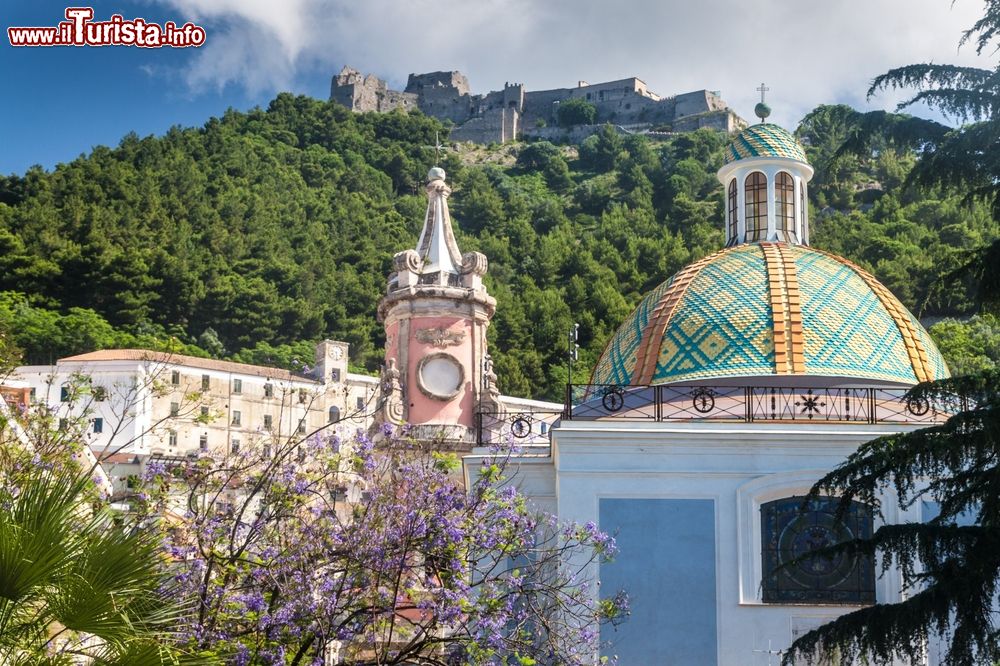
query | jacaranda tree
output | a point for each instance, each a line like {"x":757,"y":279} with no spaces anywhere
{"x":343,"y":551}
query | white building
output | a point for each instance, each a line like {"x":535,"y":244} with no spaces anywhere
{"x":732,"y":388}
{"x":142,"y":402}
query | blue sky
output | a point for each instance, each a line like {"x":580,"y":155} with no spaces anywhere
{"x":60,"y":102}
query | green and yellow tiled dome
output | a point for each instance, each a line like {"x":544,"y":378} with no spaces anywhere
{"x":764,"y":309}
{"x":764,"y":140}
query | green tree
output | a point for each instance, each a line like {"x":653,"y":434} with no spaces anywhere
{"x":603,"y":151}
{"x":536,"y":156}
{"x":557,"y":175}
{"x":971,"y":346}
{"x":576,"y":111}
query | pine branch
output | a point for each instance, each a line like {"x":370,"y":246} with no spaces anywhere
{"x":929,"y":76}
{"x":985,"y":30}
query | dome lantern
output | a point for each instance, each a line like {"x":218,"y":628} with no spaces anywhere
{"x":765,"y":175}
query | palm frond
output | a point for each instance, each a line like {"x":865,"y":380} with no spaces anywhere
{"x":72,"y":581}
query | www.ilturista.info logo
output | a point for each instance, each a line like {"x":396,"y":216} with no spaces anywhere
{"x":80,"y":30}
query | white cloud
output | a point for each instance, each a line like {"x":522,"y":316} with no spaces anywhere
{"x":807,"y":52}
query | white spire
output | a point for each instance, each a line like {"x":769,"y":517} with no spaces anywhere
{"x":437,"y":247}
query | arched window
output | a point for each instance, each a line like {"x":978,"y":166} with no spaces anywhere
{"x":804,"y":207}
{"x":791,"y":531}
{"x":732,"y":212}
{"x":756,"y":206}
{"x":334,"y":414}
{"x":784,"y":204}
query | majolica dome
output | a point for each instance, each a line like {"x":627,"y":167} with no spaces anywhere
{"x":769,"y":305}
{"x":770,"y":309}
{"x":764,"y":140}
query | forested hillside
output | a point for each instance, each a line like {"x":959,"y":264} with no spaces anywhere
{"x":262,"y":231}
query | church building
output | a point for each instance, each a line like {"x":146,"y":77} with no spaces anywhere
{"x":732,"y":387}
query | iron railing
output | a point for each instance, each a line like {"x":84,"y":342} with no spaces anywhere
{"x":750,"y":404}
{"x":721,"y":404}
{"x":524,"y":427}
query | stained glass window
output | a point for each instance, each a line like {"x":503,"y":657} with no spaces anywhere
{"x":790,"y":530}
{"x":756,"y":206}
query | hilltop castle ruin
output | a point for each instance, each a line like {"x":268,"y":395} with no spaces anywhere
{"x":504,"y":115}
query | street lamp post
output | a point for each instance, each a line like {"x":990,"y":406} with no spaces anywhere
{"x":572,"y":354}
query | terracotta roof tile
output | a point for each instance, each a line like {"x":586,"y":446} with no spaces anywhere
{"x":188,"y":361}
{"x":118,"y":458}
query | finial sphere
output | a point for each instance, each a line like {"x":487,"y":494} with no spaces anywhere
{"x":762,"y":111}
{"x":436,"y":173}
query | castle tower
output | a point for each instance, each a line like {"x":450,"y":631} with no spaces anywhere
{"x":435,"y":313}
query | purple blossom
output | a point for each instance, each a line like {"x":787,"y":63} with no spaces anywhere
{"x":298,"y":564}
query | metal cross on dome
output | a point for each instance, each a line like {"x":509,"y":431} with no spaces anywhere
{"x":762,"y":110}
{"x":762,"y":89}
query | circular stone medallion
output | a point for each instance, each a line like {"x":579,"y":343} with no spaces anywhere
{"x":440,"y":376}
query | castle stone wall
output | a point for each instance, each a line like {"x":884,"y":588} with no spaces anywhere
{"x":574,"y":134}
{"x":455,"y":81}
{"x":494,"y":126}
{"x":723,"y":121}
{"x":700,"y":101}
{"x":368,"y":93}
{"x":501,"y":115}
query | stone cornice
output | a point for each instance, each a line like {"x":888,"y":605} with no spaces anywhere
{"x":437,"y":301}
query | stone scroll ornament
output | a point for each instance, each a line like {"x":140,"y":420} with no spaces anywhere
{"x":392,"y":394}
{"x":407,"y":260}
{"x":440,"y":337}
{"x":475,"y":263}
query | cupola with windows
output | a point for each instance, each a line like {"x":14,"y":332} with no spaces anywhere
{"x":765,"y":176}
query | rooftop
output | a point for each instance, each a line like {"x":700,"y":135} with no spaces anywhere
{"x":188,"y":361}
{"x":764,"y":140}
{"x":768,"y":310}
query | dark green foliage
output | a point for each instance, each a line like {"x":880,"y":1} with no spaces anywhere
{"x":262,"y":232}
{"x":45,"y":335}
{"x":603,"y":151}
{"x":296,"y":356}
{"x":576,"y":112}
{"x":536,"y":156}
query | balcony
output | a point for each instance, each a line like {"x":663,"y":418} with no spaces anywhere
{"x":716,"y":404}
{"x":753,"y":404}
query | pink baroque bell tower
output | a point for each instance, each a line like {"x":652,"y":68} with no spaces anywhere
{"x":436,"y":311}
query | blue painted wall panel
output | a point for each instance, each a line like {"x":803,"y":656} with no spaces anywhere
{"x":666,"y":563}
